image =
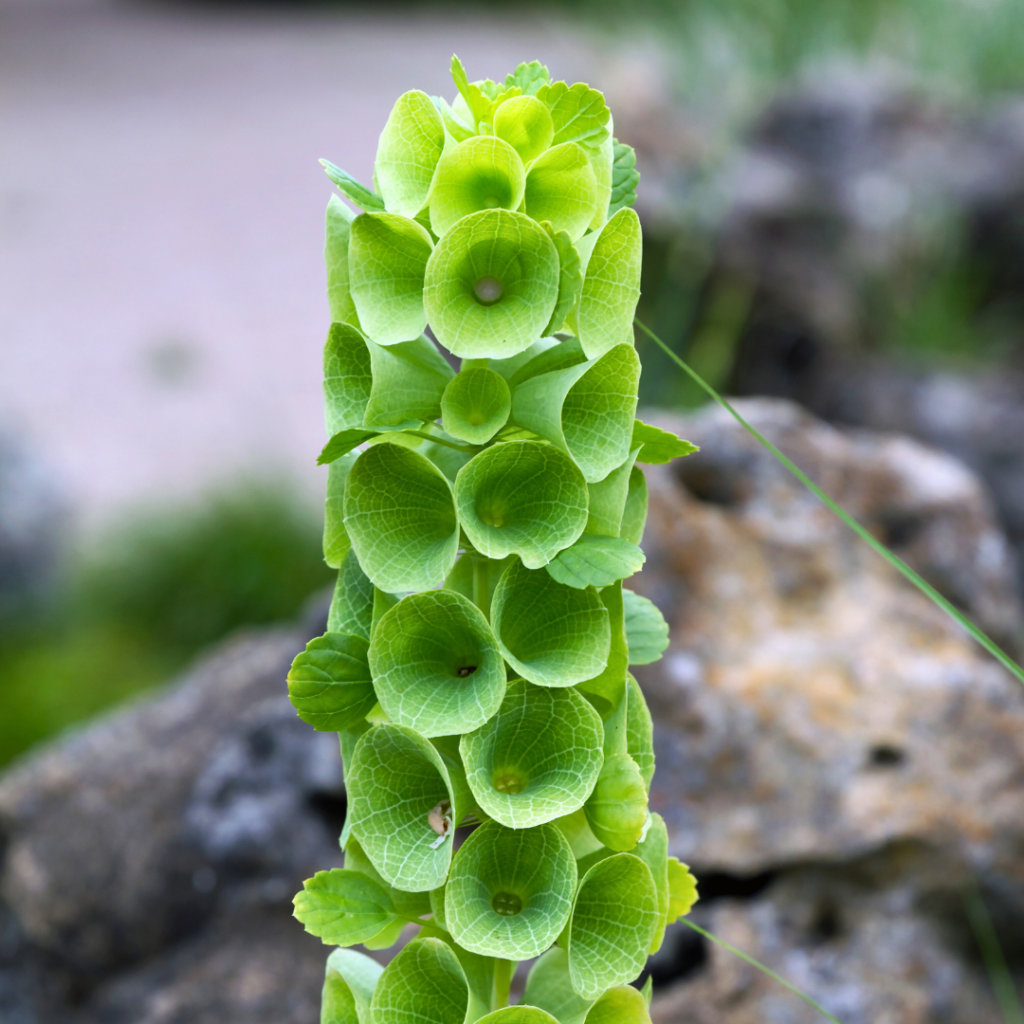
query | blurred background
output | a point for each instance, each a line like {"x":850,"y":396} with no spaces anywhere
{"x":832,"y":197}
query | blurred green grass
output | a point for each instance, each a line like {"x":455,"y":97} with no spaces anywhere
{"x":157,"y":588}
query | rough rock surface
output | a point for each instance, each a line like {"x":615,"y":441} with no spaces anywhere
{"x":835,"y":759}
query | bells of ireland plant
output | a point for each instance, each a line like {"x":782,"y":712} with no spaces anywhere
{"x":485,"y":503}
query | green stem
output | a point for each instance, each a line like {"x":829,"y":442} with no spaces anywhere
{"x":503,"y":970}
{"x":992,"y":953}
{"x":926,"y":588}
{"x":761,"y":967}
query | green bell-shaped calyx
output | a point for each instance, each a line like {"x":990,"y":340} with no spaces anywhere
{"x":548,"y":987}
{"x":603,"y":316}
{"x":400,"y":516}
{"x":349,"y":982}
{"x":634,"y":512}
{"x":339,"y":296}
{"x":523,"y":498}
{"x":402,"y":806}
{"x":435,"y":663}
{"x":551,"y":634}
{"x":482,"y":173}
{"x":617,"y":809}
{"x":348,"y":377}
{"x":424,"y":984}
{"x":587,"y":409}
{"x":388,"y":257}
{"x":639,"y":730}
{"x":519,"y":1014}
{"x":561,"y":189}
{"x":614,"y":920}
{"x":475,"y":405}
{"x":329,"y":683}
{"x":510,"y":890}
{"x":491,"y":284}
{"x":646,"y":629}
{"x":525,"y":124}
{"x":407,"y":153}
{"x":537,"y":759}
{"x":653,"y":851}
{"x":622,"y":1004}
{"x":351,"y":608}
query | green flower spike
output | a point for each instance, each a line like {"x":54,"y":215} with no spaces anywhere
{"x":537,"y":759}
{"x":388,"y":257}
{"x":525,"y":124}
{"x":510,"y":890}
{"x":586,"y":409}
{"x":482,"y":173}
{"x":329,"y":683}
{"x":523,"y":498}
{"x":561,"y":188}
{"x":402,"y":806}
{"x":349,"y":983}
{"x":400,"y":516}
{"x":551,"y":634}
{"x":436,"y":666}
{"x":603,"y":316}
{"x":475,"y":405}
{"x":491,"y":285}
{"x":614,"y":920}
{"x":407,"y":153}
{"x":424,"y":984}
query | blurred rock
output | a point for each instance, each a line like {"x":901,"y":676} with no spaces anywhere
{"x":835,"y":757}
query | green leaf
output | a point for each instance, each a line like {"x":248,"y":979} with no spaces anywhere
{"x":352,"y":189}
{"x":634,"y":513}
{"x":646,"y":629}
{"x":614,"y":919}
{"x":603,"y":316}
{"x":408,"y":905}
{"x":398,"y":786}
{"x":595,"y":561}
{"x":510,"y":890}
{"x":537,"y":759}
{"x":388,"y":257}
{"x":570,"y":280}
{"x":339,"y":299}
{"x":347,"y":377}
{"x":519,"y":1014}
{"x":477,"y":102}
{"x":525,"y":124}
{"x":481,"y":173}
{"x":653,"y":851}
{"x":336,"y":539}
{"x":658,"y":446}
{"x":408,"y":381}
{"x":608,"y":501}
{"x":625,"y":178}
{"x":350,"y":979}
{"x":551,"y":634}
{"x":548,"y":986}
{"x":401,"y":518}
{"x":343,"y":907}
{"x":561,"y":188}
{"x":639,"y":730}
{"x":329,"y":683}
{"x":436,"y":665}
{"x":424,"y":984}
{"x":525,"y":498}
{"x":578,"y":112}
{"x":586,"y":409}
{"x":343,"y":442}
{"x":622,"y":1004}
{"x":617,"y":808}
{"x":407,"y":153}
{"x":491,"y":284}
{"x":682,"y":890}
{"x":529,"y":77}
{"x":352,"y":604}
{"x":475,"y":404}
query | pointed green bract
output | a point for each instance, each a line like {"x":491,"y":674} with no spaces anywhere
{"x":561,"y":188}
{"x":536,"y":760}
{"x":519,"y":1014}
{"x":622,"y":1004}
{"x":396,"y":780}
{"x":475,"y":405}
{"x":617,"y":809}
{"x":525,"y":124}
{"x":352,"y":189}
{"x":329,"y":683}
{"x":476,"y":102}
{"x":348,"y":378}
{"x":408,"y":381}
{"x":343,"y":907}
{"x":595,"y":561}
{"x":407,"y":153}
{"x":388,"y":257}
{"x":436,"y":666}
{"x":625,"y":178}
{"x":646,"y":629}
{"x":523,"y":498}
{"x":482,"y":173}
{"x":336,"y":539}
{"x":658,"y":446}
{"x":401,"y":518}
{"x":587,"y":409}
{"x":579,"y":113}
{"x":611,"y":286}
{"x":424,"y":984}
{"x":339,"y":297}
{"x":682,"y":890}
{"x":349,"y":981}
{"x":491,"y":284}
{"x":548,"y":986}
{"x":510,"y":890}
{"x":639,"y":730}
{"x":614,"y":919}
{"x":551,"y":634}
{"x":634,"y":512}
{"x":352,"y":604}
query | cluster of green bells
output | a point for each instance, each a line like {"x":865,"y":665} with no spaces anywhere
{"x":476,"y":660}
